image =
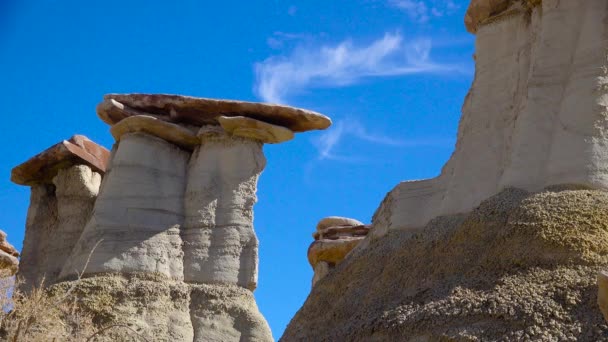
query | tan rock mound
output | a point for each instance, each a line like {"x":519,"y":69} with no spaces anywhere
{"x":334,"y":239}
{"x":9,"y":264}
{"x":519,"y":267}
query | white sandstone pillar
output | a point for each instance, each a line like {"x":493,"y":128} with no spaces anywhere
{"x":220,"y":245}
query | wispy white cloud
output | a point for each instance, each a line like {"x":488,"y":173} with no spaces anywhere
{"x":422,"y":11}
{"x":343,"y":64}
{"x":278,"y":39}
{"x":328,"y":142}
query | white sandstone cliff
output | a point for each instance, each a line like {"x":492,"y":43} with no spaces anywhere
{"x":536,"y":114}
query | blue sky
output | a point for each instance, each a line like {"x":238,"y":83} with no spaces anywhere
{"x":392,"y":74}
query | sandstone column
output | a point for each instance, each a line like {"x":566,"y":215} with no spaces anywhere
{"x":220,"y":244}
{"x":135,"y":227}
{"x":64,"y":181}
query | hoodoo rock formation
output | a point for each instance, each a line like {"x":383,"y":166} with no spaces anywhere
{"x":334,"y":239}
{"x":172,"y":222}
{"x":64,"y":181}
{"x":506,"y":244}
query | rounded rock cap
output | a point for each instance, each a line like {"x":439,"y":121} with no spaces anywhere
{"x":204,"y":111}
{"x":337,"y":221}
{"x":42,"y":167}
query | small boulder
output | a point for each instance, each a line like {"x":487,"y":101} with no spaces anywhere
{"x":9,"y":264}
{"x":335,"y":221}
{"x":334,"y":239}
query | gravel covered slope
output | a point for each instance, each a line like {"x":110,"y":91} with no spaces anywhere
{"x":519,"y":267}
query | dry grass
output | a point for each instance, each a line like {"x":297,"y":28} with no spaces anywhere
{"x":43,"y":315}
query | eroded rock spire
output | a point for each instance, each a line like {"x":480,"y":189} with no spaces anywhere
{"x":174,"y":213}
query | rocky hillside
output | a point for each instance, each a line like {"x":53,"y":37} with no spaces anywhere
{"x":521,"y":266}
{"x":492,"y":249}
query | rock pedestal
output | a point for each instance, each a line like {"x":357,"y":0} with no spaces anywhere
{"x":174,"y":214}
{"x":334,"y":239}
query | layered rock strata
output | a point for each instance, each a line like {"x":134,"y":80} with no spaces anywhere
{"x":64,"y":181}
{"x":535,"y":115}
{"x":220,"y":243}
{"x":174,"y":214}
{"x":334,"y":239}
{"x":9,"y":264}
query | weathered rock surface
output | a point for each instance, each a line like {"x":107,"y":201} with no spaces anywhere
{"x":166,"y":242}
{"x":337,"y":221}
{"x":176,"y":230}
{"x":200,"y":111}
{"x":226,"y":313}
{"x":220,"y":246}
{"x":520,"y":267}
{"x":6,"y":247}
{"x":255,"y":129}
{"x":481,"y":12}
{"x":41,"y":168}
{"x":166,"y":310}
{"x":9,"y":264}
{"x":76,"y":189}
{"x":602,"y":295}
{"x":167,"y":131}
{"x":334,"y":239}
{"x":535,"y":115}
{"x":136,"y":222}
{"x":65,"y":181}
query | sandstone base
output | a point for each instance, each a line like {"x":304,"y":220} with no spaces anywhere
{"x":164,"y":310}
